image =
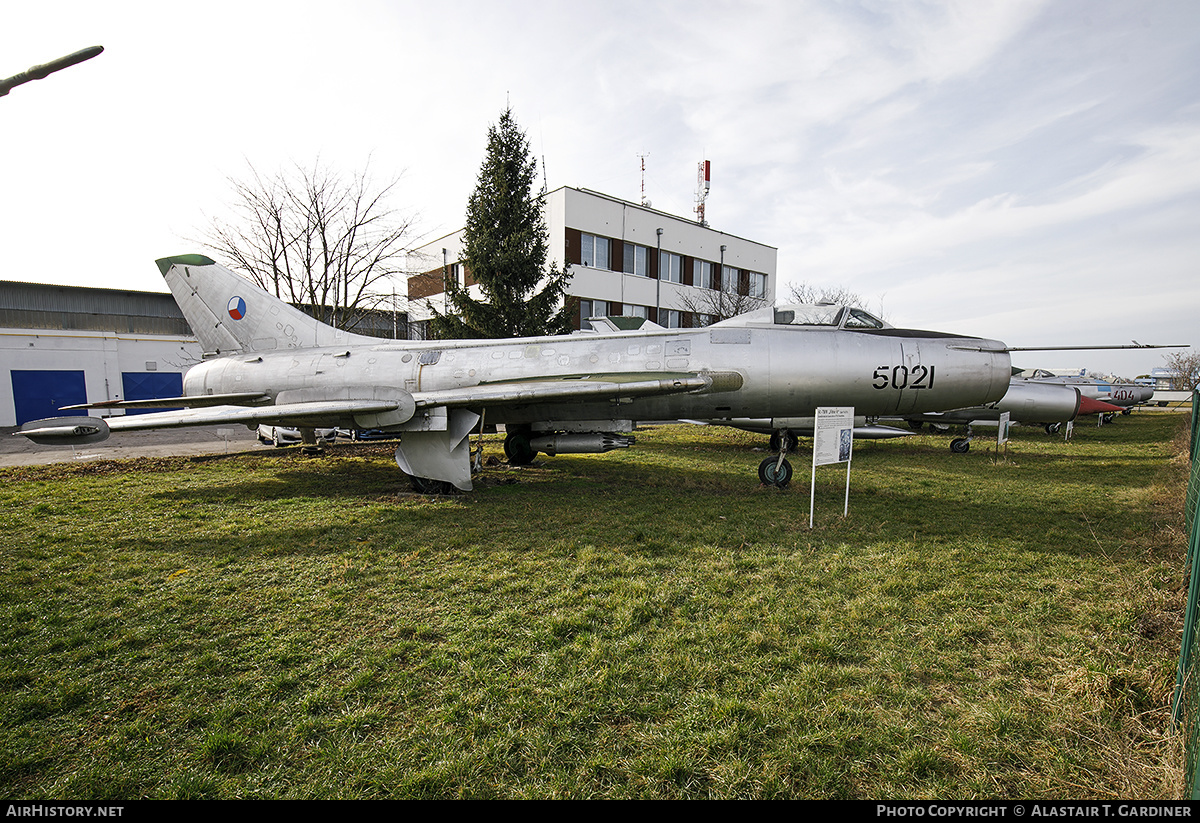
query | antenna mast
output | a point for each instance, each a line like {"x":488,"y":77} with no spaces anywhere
{"x":703,"y":178}
{"x":643,"y":157}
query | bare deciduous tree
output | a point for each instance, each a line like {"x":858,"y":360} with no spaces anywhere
{"x":1186,"y":366}
{"x":804,"y":292}
{"x":320,"y":240}
{"x":714,"y":306}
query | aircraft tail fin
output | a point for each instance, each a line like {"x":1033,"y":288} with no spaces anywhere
{"x":229,"y":314}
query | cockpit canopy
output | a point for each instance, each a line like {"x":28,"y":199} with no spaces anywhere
{"x":822,"y":315}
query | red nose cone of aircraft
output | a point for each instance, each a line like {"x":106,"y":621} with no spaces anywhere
{"x":1088,"y":405}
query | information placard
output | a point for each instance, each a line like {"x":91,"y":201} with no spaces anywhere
{"x":833,"y":442}
{"x":834,"y":435}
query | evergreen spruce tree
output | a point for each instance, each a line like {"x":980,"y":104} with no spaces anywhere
{"x":505,"y":246}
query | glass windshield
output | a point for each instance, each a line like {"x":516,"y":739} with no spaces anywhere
{"x":859,"y":319}
{"x":808,"y":315}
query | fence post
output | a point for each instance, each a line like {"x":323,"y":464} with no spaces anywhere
{"x":1185,"y":690}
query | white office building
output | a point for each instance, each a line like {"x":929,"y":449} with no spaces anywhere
{"x":625,"y":260}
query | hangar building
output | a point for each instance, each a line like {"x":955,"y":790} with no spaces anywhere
{"x":62,"y":345}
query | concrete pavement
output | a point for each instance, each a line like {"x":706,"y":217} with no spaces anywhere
{"x":16,"y":450}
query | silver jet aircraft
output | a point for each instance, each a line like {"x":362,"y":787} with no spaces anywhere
{"x":269,"y":363}
{"x":1047,"y":404}
{"x":1126,"y":395}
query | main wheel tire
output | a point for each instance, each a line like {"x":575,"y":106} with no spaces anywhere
{"x":518,"y":449}
{"x":773,"y":473}
{"x":960,"y":445}
{"x":425,"y":485}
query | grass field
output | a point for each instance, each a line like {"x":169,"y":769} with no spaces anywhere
{"x":647,"y":623}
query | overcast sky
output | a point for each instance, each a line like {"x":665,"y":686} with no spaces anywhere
{"x":1027,"y":170}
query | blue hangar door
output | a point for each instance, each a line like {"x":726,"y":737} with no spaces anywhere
{"x":38,"y":394}
{"x":150,"y":385}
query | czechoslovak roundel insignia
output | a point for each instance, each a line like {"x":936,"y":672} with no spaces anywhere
{"x":237,"y":308}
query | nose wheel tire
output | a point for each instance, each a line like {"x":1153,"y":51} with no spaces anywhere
{"x":960,"y":445}
{"x":772,"y":472}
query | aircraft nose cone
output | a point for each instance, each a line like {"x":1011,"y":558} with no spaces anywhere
{"x":1089,"y":405}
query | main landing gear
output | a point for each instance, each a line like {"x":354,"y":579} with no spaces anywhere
{"x":425,"y":485}
{"x":776,"y":470}
{"x":518,"y":447}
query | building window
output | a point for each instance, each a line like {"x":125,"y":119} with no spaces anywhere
{"x":702,"y":274}
{"x":589,"y":309}
{"x":594,"y":252}
{"x":670,"y":267}
{"x":418,"y":330}
{"x":729,"y":279}
{"x":636,"y":311}
{"x":758,"y":285}
{"x":637,"y":260}
{"x":668,"y":318}
{"x":703,"y":320}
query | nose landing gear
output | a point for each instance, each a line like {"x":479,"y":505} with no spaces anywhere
{"x":776,"y":470}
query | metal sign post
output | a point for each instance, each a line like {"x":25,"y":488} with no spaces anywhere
{"x":833,"y":442}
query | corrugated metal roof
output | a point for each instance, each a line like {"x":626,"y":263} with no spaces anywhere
{"x":78,"y":308}
{"x":86,"y":300}
{"x":45,"y":306}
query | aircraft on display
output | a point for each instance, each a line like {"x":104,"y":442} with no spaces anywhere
{"x":1125,"y":395}
{"x":269,"y":363}
{"x":1027,"y":403}
{"x":1048,"y":405}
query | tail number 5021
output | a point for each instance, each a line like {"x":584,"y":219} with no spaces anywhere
{"x":903,"y":377}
